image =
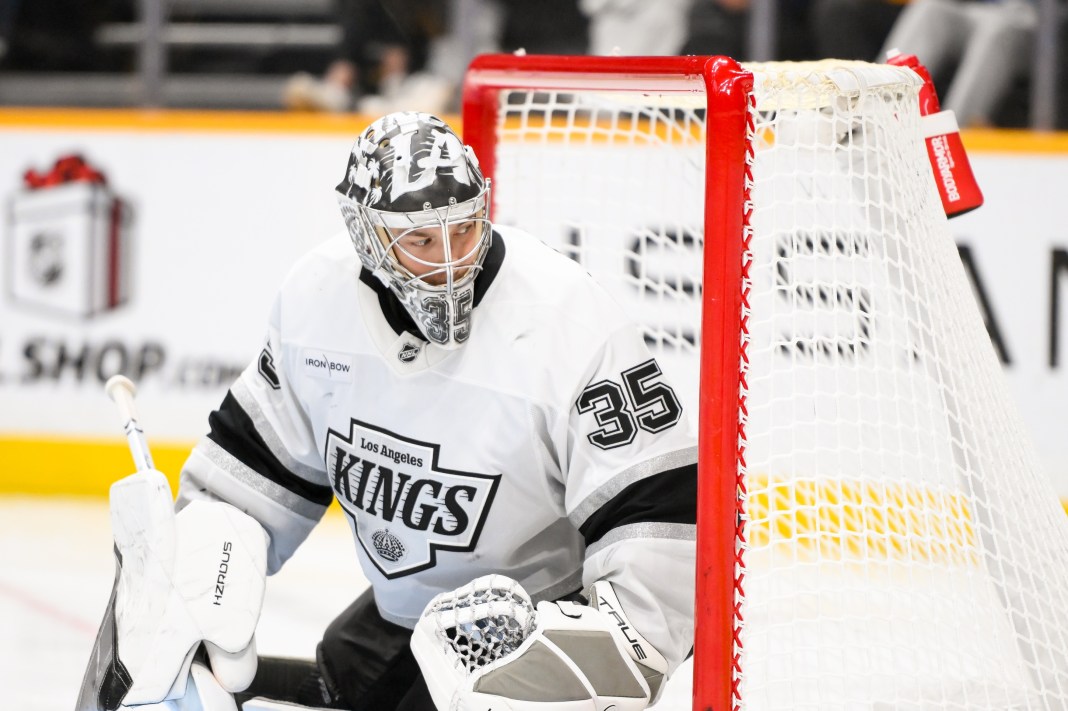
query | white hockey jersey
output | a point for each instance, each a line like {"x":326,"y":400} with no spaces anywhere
{"x":549,"y":448}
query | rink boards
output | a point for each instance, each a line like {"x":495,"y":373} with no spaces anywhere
{"x":219,"y":206}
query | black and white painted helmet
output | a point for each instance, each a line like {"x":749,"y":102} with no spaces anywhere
{"x":417,"y":209}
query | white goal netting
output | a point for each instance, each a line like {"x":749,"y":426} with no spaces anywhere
{"x":902,"y":547}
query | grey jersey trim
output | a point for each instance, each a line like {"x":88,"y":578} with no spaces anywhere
{"x":675,"y":531}
{"x":593,"y":503}
{"x":255,"y":481}
{"x":251,"y":406}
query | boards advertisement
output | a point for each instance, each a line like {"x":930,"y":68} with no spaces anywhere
{"x":153,"y":247}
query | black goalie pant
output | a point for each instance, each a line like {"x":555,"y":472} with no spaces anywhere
{"x":364,"y":663}
{"x":370,"y":661}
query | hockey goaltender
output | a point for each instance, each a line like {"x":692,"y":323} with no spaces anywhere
{"x":517,"y":472}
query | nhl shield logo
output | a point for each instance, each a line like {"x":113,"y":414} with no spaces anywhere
{"x":405,"y":506}
{"x":46,"y":257}
{"x":408,"y":353}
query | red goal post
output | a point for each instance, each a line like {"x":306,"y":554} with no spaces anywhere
{"x":874,"y":528}
{"x":728,"y":89}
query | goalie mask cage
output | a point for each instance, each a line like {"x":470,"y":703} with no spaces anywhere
{"x":874,"y":528}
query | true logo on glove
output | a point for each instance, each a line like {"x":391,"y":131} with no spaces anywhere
{"x":606,"y":606}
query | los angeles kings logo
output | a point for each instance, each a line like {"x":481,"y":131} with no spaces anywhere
{"x":405,"y":506}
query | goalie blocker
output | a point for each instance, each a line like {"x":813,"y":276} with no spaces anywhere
{"x":486,"y":646}
{"x":181,"y":580}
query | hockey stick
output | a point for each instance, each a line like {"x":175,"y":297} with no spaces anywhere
{"x":106,"y":679}
{"x":122,"y":390}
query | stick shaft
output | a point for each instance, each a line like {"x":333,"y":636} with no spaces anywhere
{"x":121,"y":390}
{"x":135,"y":438}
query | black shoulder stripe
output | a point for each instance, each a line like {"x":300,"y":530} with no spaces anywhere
{"x":667,"y":497}
{"x":232,"y":429}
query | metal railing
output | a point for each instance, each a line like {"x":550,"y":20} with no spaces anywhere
{"x":1045,"y":80}
{"x":155,"y":33}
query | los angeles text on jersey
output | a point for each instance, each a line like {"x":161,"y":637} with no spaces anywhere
{"x":404,"y":505}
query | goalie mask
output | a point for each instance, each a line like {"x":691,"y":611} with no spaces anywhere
{"x":416,"y":207}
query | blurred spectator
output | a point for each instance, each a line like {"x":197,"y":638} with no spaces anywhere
{"x":722,"y":27}
{"x":381,"y":59}
{"x":51,"y":35}
{"x":483,"y":26}
{"x":974,"y":50}
{"x":852,"y":29}
{"x":636,"y":27}
{"x":545,"y":26}
{"x":411,"y":54}
{"x":718,"y":27}
{"x":8,"y":8}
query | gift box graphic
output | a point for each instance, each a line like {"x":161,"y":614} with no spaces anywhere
{"x":68,"y":241}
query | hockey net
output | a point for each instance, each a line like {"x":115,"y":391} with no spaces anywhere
{"x":875,"y":530}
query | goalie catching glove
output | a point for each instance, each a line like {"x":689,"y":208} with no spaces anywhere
{"x":485,"y":646}
{"x":182,"y":579}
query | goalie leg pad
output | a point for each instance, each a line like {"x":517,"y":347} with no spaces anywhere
{"x":205,"y":692}
{"x":201,"y":693}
